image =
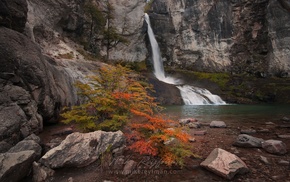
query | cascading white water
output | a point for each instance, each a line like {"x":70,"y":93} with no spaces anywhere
{"x":191,"y":95}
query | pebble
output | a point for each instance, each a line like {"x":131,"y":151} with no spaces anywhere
{"x":248,"y":131}
{"x":264,"y":160}
{"x":200,"y":133}
{"x":284,"y":163}
{"x":284,"y":136}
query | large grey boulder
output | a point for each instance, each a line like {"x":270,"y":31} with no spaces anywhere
{"x":274,"y":147}
{"x":80,"y":149}
{"x":15,"y":166}
{"x":245,"y":140}
{"x":224,"y":164}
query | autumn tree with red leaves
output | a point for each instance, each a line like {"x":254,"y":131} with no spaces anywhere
{"x":114,"y":97}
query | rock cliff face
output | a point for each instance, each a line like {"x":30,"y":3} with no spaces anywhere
{"x":50,"y":18}
{"x":233,"y":36}
{"x":34,"y":84}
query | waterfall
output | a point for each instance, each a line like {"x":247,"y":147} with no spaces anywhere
{"x":191,"y":95}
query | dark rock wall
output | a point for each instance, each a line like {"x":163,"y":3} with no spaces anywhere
{"x":239,"y":36}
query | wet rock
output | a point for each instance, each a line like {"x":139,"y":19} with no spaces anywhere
{"x":264,"y":160}
{"x":15,"y":166}
{"x":274,"y":147}
{"x":79,"y":149}
{"x":129,"y":167}
{"x":248,"y":131}
{"x":244,"y":140}
{"x":41,"y":173}
{"x":224,"y":164}
{"x":218,"y":124}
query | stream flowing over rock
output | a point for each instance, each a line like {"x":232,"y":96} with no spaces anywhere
{"x":79,"y":150}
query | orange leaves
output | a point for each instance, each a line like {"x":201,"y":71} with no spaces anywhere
{"x":184,"y":137}
{"x":144,"y":147}
{"x":122,"y":95}
{"x":168,"y":158}
{"x":158,"y":131}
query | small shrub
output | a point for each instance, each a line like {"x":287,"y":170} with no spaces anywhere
{"x":114,"y":98}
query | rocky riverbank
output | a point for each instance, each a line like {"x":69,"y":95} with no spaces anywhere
{"x":255,"y":151}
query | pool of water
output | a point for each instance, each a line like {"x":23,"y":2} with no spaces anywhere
{"x":229,"y":112}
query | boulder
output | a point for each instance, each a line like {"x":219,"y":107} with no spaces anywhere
{"x":218,"y":124}
{"x":25,"y":145}
{"x":80,"y":149}
{"x":15,"y":166}
{"x":224,"y":164}
{"x":245,"y":140}
{"x":274,"y":147}
{"x":41,"y":173}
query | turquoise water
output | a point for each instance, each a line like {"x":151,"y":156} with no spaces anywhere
{"x":229,"y":112}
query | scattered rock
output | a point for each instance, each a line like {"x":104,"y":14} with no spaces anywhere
{"x":186,"y":121}
{"x":263,"y":130}
{"x":193,"y":125}
{"x":244,"y":140}
{"x":200,"y":133}
{"x":286,"y":119}
{"x":264,"y":160}
{"x":70,"y":179}
{"x":284,"y":126}
{"x":129,"y":167}
{"x":224,"y":164}
{"x":15,"y":166}
{"x":248,"y":131}
{"x":235,"y":150}
{"x":274,"y":147}
{"x":284,"y":136}
{"x":41,"y":173}
{"x":80,"y":149}
{"x":192,"y":140}
{"x":218,"y":124}
{"x":284,"y":163}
